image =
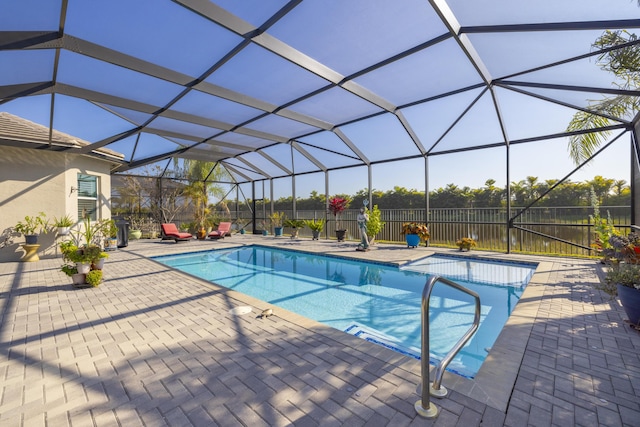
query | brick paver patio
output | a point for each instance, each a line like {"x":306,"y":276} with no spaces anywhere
{"x":155,"y":347}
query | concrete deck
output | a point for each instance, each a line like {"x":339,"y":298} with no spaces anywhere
{"x":155,"y":347}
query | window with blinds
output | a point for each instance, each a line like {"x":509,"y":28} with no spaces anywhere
{"x":87,"y":196}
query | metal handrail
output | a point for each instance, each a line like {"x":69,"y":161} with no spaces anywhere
{"x":424,"y":407}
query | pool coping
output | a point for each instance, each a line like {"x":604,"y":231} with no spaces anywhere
{"x":495,"y":381}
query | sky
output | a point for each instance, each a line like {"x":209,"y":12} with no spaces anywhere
{"x":346,"y":37}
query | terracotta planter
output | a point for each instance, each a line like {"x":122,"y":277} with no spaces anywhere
{"x":630,"y":300}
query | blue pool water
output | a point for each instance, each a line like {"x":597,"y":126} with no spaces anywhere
{"x":377,"y":302}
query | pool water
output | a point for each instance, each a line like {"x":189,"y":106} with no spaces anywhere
{"x":377,"y":302}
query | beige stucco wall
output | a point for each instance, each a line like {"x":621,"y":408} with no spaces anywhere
{"x":33,"y":181}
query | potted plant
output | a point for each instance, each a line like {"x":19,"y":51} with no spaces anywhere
{"x":188,"y":227}
{"x":94,"y":278}
{"x":64,"y":224}
{"x":375,"y":224}
{"x":74,"y":255}
{"x":338,"y":204}
{"x":295,"y":225}
{"x":94,"y":232}
{"x":77,"y":279}
{"x":95,"y":255}
{"x":316,"y":226}
{"x":276,"y":220}
{"x":111,"y":235}
{"x":414,"y":233}
{"x":149,"y":228}
{"x":623,"y":274}
{"x":31,"y":226}
{"x":135,"y":228}
{"x":241,"y":224}
{"x":72,"y":271}
{"x":466,"y":243}
{"x":263,"y":227}
{"x":83,"y":262}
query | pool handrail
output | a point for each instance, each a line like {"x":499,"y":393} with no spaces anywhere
{"x":424,"y":407}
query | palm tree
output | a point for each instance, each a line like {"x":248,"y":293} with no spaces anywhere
{"x":200,"y":175}
{"x":518,"y":192}
{"x":618,"y":186}
{"x":601,"y":187}
{"x":624,"y":63}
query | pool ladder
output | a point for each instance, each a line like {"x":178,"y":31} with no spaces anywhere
{"x":424,"y":407}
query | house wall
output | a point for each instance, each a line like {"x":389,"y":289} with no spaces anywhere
{"x":33,"y":181}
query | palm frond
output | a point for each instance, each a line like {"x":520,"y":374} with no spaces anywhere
{"x":582,"y":146}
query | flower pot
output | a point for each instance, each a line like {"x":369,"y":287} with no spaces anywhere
{"x":265,"y":233}
{"x":201,"y":234}
{"x":630,"y":300}
{"x":135,"y":234}
{"x":315,"y":234}
{"x":83,"y":268}
{"x":63,"y":231}
{"x":98,"y":265}
{"x":340,"y":235}
{"x":242,"y":231}
{"x":277,"y":231}
{"x":111,"y":244}
{"x":78,"y":279}
{"x":31,"y":239}
{"x":413,"y":240}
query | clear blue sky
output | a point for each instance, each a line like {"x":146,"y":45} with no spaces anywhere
{"x":347,"y":37}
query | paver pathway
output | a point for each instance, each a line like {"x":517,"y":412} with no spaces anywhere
{"x":155,"y":347}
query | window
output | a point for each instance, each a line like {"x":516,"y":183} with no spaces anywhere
{"x":87,"y":196}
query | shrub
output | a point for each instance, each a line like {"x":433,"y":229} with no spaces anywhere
{"x":94,"y":277}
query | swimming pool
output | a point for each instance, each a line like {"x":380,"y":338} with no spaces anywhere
{"x":377,"y":302}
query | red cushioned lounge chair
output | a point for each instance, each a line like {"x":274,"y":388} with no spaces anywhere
{"x":171,"y":232}
{"x":224,"y":229}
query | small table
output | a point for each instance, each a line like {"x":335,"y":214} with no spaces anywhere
{"x":31,"y":253}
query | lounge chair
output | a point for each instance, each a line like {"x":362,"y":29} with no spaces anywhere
{"x":224,"y":229}
{"x":171,"y":232}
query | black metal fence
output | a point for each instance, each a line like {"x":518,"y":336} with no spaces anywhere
{"x":552,"y":230}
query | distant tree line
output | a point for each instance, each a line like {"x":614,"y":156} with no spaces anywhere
{"x":145,"y":195}
{"x":609,"y":192}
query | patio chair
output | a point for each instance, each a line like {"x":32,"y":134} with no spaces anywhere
{"x":171,"y":232}
{"x":224,"y":229}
